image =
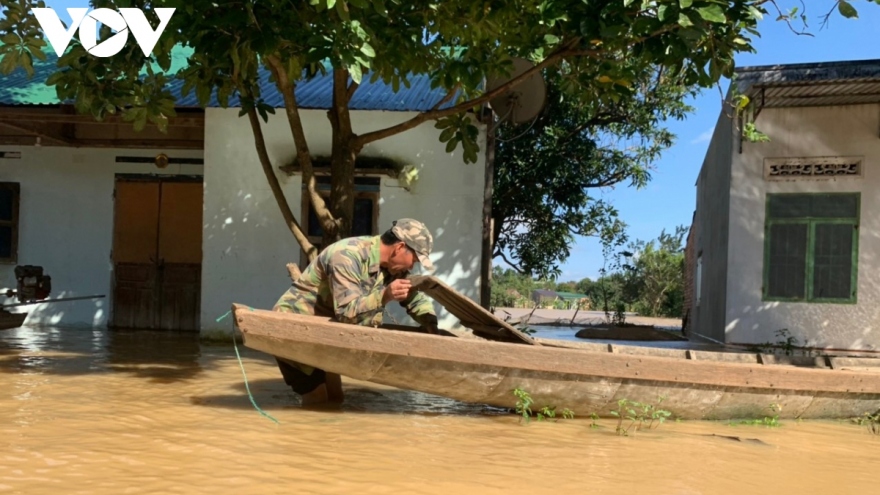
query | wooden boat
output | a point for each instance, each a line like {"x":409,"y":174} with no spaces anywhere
{"x":584,"y":377}
{"x":11,"y":320}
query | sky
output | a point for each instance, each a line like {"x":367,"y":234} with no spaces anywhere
{"x":670,"y":197}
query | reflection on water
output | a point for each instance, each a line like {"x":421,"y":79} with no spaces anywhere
{"x":567,"y":333}
{"x":100,"y":412}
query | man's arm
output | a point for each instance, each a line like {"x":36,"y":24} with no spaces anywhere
{"x":421,"y":309}
{"x":349,"y":297}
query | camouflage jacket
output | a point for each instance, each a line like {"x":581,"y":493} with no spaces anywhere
{"x":346,"y":282}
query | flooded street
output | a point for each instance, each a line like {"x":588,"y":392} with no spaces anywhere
{"x":102,"y":412}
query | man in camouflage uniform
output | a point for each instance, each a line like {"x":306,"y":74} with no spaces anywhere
{"x":351,"y":281}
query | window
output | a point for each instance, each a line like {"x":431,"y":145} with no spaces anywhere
{"x":698,"y":289}
{"x":366,"y":209}
{"x":811,"y":247}
{"x":9,"y":193}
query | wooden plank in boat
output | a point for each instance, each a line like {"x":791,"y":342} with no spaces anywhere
{"x":855,"y":364}
{"x":468,"y":312}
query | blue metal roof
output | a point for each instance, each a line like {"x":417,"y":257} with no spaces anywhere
{"x":317,"y":93}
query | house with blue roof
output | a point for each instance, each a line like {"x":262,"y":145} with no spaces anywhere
{"x":174,"y":227}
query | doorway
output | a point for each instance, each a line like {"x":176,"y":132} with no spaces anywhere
{"x":157,"y":253}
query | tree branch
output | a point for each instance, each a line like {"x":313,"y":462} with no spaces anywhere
{"x":277,"y":192}
{"x":303,"y":156}
{"x":435,"y":113}
{"x":351,"y":89}
{"x":512,"y":264}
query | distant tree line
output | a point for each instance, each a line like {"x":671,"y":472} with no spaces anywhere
{"x":645,"y":277}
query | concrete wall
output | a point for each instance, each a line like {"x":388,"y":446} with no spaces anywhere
{"x":66,"y":224}
{"x":690,"y":272}
{"x":246,"y":243}
{"x":805,"y":132}
{"x":710,"y":231}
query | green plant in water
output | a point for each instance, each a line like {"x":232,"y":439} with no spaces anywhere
{"x":768,"y":421}
{"x":593,"y":418}
{"x":638,"y":414}
{"x":524,"y":404}
{"x":870,"y":421}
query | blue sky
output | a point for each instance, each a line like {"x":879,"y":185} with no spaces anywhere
{"x":669,"y":198}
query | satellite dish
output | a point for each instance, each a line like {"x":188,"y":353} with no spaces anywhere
{"x":525,"y":101}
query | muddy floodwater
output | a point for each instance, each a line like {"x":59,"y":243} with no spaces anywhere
{"x":101,"y":412}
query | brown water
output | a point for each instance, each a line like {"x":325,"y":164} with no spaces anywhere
{"x":133,"y":412}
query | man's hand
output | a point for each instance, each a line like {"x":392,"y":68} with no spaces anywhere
{"x":397,"y":290}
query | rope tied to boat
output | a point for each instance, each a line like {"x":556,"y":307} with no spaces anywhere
{"x":243,"y":374}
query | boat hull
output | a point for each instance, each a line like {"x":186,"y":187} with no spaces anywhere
{"x":11,"y":320}
{"x":583,"y":380}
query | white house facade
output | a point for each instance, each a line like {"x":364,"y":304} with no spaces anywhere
{"x":173,"y":228}
{"x":786,"y":240}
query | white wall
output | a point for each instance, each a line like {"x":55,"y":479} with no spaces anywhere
{"x":66,"y":224}
{"x":804,"y":132}
{"x":246,"y":244}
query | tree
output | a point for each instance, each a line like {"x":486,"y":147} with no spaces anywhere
{"x":654,"y":279}
{"x":573,"y":150}
{"x":456,"y":42}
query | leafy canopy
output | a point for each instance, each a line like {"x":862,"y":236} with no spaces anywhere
{"x":565,"y":161}
{"x":457,"y":43}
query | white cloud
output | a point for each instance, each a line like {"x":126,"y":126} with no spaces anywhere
{"x":704,"y":137}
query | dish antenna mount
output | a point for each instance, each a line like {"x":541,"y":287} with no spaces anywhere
{"x":525,"y":101}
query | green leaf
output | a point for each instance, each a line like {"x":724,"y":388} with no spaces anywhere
{"x":331,"y":4}
{"x":684,"y":21}
{"x":550,"y":39}
{"x":447,"y":134}
{"x":713,"y":13}
{"x":379,"y":7}
{"x":686,"y":3}
{"x":10,"y":39}
{"x":356,"y":74}
{"x":367,"y":50}
{"x":756,"y":14}
{"x":342,"y":10}
{"x":662,"y":12}
{"x":847,"y":10}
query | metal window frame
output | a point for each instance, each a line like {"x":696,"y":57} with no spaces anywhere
{"x":811,"y":223}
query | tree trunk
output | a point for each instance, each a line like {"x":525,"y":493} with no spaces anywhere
{"x":486,"y":254}
{"x":342,"y":160}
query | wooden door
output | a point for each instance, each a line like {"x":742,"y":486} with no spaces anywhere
{"x":180,"y":255}
{"x":157,"y":252}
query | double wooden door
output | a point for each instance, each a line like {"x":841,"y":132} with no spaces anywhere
{"x":157,"y":254}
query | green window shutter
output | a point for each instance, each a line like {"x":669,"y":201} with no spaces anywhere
{"x":786,"y":277}
{"x":811,"y":247}
{"x":833,"y":261}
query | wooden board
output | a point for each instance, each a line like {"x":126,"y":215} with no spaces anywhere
{"x":469,"y":313}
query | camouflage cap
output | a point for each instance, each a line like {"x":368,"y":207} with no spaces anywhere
{"x":417,"y":237}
